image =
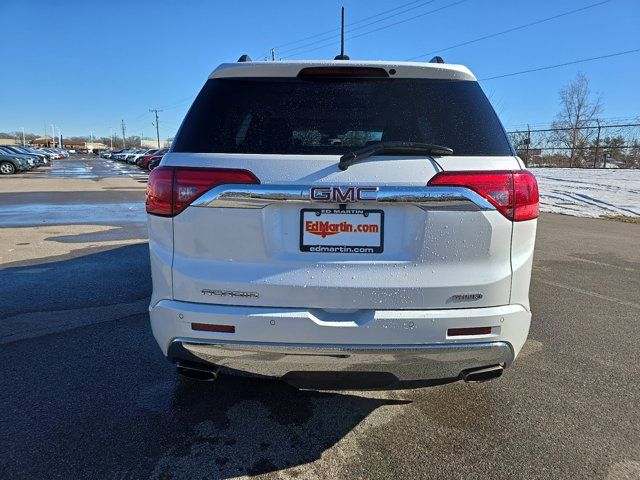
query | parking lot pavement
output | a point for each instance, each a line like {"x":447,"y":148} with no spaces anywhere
{"x":86,"y":393}
{"x":77,"y":205}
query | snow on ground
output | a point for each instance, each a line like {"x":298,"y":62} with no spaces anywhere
{"x":589,"y":193}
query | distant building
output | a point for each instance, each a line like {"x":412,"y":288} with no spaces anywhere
{"x":9,"y":141}
{"x":42,"y":142}
{"x":93,"y":146}
{"x":153,"y":144}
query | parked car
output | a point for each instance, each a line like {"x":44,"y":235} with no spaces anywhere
{"x":65,"y":153}
{"x":122,"y":154}
{"x":155,"y":160}
{"x":148,"y":154}
{"x":353,"y":217}
{"x":143,"y":161}
{"x":35,"y":160}
{"x":54,"y":154}
{"x":131,"y":157}
{"x":10,"y":164}
{"x":23,"y":151}
{"x":140,"y":153}
{"x":110,"y":154}
{"x":41,"y":152}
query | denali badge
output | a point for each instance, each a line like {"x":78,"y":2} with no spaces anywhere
{"x":343,"y":194}
{"x":229,"y":293}
{"x":465,"y":297}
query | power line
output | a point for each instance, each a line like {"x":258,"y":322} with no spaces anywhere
{"x":509,"y":30}
{"x":289,"y":50}
{"x":177,"y":103}
{"x":338,"y":28}
{"x":586,"y":127}
{"x":549,"y":67}
{"x":382,"y":27}
{"x":519,"y":126}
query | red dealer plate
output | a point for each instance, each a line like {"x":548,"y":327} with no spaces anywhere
{"x":341,"y":231}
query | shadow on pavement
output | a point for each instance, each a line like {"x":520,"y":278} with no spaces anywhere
{"x":100,"y":400}
{"x":105,"y":277}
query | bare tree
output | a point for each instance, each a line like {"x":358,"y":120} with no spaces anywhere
{"x":579,"y":108}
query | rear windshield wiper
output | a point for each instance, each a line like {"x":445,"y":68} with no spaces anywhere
{"x":356,"y":156}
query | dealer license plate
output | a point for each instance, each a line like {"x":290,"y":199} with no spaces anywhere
{"x":341,"y":231}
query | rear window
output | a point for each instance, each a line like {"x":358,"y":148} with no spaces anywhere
{"x":294,"y":116}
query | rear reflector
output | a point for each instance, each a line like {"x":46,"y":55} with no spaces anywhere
{"x":458,"y":332}
{"x":513,"y":193}
{"x":205,"y":327}
{"x":172,"y":189}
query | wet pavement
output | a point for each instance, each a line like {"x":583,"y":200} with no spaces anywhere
{"x":59,"y":208}
{"x":72,"y":214}
{"x":75,"y":205}
{"x":86,"y":393}
{"x":88,"y":167}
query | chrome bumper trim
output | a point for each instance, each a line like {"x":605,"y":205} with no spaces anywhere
{"x":259,"y":196}
{"x":404,"y":362}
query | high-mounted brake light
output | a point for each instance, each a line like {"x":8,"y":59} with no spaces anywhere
{"x":513,"y":193}
{"x":333,"y":73}
{"x":172,"y":189}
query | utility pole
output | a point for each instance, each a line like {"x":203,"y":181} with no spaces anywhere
{"x":110,"y":138}
{"x":23,"y":142}
{"x":527,"y":142}
{"x":595,"y":155}
{"x":273,"y":55}
{"x":157,"y":124}
{"x":124,"y":140}
{"x":53,"y":135}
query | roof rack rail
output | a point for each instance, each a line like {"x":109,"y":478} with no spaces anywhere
{"x":244,"y":58}
{"x":436,"y":59}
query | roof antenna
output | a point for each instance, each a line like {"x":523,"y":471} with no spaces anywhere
{"x":342,"y":56}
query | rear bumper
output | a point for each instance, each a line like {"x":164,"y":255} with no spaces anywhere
{"x":274,"y":342}
{"x":403,"y":362}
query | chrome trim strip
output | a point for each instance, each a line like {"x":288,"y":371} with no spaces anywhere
{"x":405,"y":362}
{"x":330,"y":349}
{"x":259,"y":196}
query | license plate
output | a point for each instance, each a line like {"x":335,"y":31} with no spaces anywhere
{"x":341,"y":231}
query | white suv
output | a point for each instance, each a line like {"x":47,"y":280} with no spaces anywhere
{"x":356,"y":219}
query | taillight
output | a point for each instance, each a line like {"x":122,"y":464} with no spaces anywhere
{"x":172,"y":189}
{"x":513,"y":193}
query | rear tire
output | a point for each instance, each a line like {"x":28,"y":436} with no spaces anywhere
{"x":7,"y":168}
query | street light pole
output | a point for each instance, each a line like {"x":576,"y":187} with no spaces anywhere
{"x":53,"y":135}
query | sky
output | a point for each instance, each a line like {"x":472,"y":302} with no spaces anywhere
{"x":85,"y":65}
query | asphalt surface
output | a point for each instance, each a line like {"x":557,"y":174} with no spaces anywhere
{"x":86,"y":393}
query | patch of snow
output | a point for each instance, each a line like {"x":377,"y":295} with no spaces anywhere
{"x":585,"y":192}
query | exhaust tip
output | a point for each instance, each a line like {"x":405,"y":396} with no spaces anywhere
{"x":197,"y":373}
{"x":483,"y":374}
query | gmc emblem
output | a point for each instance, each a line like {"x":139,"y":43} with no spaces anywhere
{"x":343,"y":194}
